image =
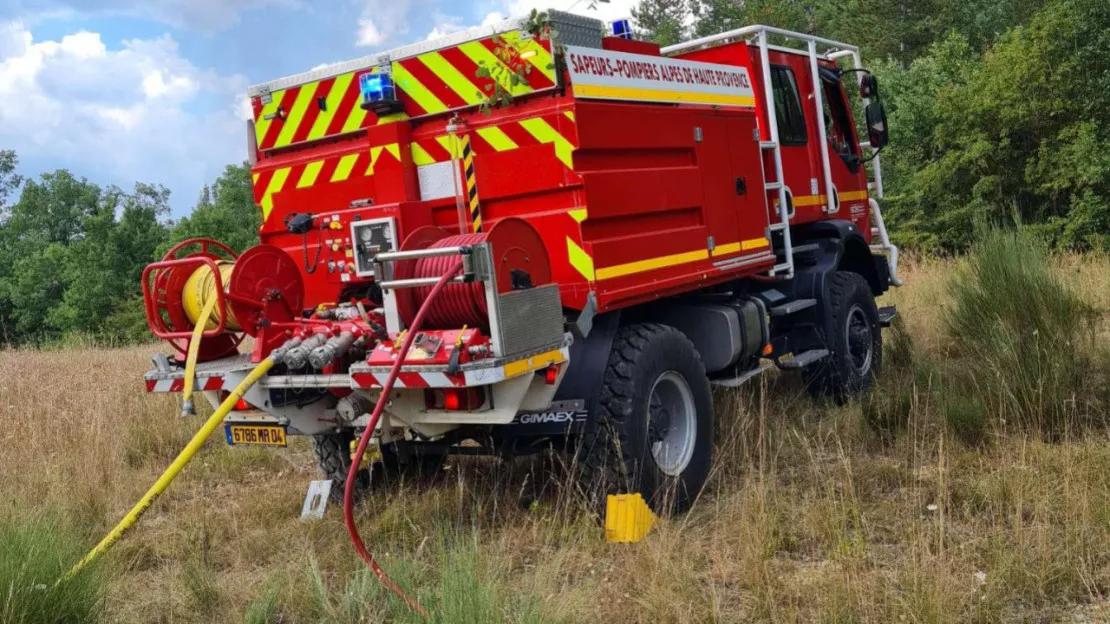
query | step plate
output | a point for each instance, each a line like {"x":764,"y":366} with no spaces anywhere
{"x":804,"y":359}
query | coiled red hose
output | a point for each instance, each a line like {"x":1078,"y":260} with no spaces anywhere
{"x":458,"y":304}
{"x":450,"y":270}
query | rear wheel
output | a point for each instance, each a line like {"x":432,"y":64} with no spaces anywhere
{"x":333,"y":458}
{"x":653,"y":429}
{"x":856,"y":344}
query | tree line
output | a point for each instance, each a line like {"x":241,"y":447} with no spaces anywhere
{"x":996,"y":107}
{"x":996,"y":110}
{"x":72,"y":252}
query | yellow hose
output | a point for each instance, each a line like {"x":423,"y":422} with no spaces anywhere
{"x":200,"y":288}
{"x":191,"y":359}
{"x":175,"y":468}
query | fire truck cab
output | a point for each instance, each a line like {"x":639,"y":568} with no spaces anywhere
{"x":541,"y":235}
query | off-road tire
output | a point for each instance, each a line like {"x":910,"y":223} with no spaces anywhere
{"x":841,"y":375}
{"x":615,"y":456}
{"x":333,"y":458}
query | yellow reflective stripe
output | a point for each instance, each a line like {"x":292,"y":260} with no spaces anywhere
{"x":580,"y":260}
{"x":262,"y":124}
{"x":376,"y":153}
{"x":540,"y":58}
{"x":569,"y":114}
{"x":296,"y":116}
{"x":578,"y":214}
{"x":722,"y":250}
{"x":420,"y":156}
{"x":497,"y":138}
{"x":454,"y":78}
{"x":755,"y":243}
{"x":660,"y":95}
{"x":650,"y":264}
{"x":416,"y":90}
{"x":311,"y":170}
{"x":808,"y":200}
{"x":392,"y":118}
{"x":445,"y":141}
{"x":355,"y":119}
{"x":277,"y":182}
{"x":254,"y":178}
{"x":545,"y":133}
{"x":334,"y":99}
{"x":853,"y":195}
{"x":499,"y":71}
{"x":535,"y":362}
{"x":343,"y":169}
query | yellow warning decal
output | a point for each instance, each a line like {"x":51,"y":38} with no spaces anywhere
{"x":535,"y":362}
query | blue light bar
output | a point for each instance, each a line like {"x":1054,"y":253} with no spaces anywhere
{"x":622,"y":28}
{"x":376,"y":87}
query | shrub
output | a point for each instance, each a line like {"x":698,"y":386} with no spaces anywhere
{"x":1026,"y":335}
{"x":34,"y":554}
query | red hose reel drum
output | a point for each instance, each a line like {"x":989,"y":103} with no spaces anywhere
{"x":519,"y":257}
{"x":265,"y":287}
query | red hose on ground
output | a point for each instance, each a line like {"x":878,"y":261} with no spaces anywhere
{"x":356,"y":460}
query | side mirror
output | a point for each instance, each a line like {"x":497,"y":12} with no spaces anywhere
{"x":869,"y":86}
{"x":877,"y":131}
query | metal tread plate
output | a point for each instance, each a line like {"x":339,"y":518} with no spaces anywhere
{"x":213,"y":368}
{"x":475,"y":365}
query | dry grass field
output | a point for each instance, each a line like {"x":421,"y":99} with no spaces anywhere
{"x":813,"y":514}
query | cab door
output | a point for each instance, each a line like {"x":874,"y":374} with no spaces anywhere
{"x":794,"y":109}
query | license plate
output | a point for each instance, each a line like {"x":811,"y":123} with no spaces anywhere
{"x":261,"y":435}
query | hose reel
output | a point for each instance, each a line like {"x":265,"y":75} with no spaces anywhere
{"x":252,"y":291}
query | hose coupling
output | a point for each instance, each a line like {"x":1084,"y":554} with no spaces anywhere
{"x":297,"y":357}
{"x":333,"y":348}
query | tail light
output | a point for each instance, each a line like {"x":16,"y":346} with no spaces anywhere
{"x":240,"y":406}
{"x":454,"y":399}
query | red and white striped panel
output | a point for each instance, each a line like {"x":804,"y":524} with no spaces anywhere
{"x":177,"y":384}
{"x":410,"y":380}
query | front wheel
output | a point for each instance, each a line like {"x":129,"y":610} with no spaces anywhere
{"x":855,"y":344}
{"x":653,"y":428}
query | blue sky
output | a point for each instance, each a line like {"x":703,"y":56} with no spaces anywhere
{"x":120,"y":91}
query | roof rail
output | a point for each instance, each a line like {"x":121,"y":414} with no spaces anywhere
{"x":753,"y":31}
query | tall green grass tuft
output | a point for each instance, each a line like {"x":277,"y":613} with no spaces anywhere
{"x":34,"y":554}
{"x":1027,"y":337}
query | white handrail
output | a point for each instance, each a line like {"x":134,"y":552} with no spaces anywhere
{"x":756,"y":30}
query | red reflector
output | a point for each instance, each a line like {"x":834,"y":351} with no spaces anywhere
{"x":551,"y":375}
{"x":241,"y":405}
{"x":461,"y":399}
{"x":452,"y":399}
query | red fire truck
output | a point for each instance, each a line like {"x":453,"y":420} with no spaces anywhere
{"x":542,"y":235}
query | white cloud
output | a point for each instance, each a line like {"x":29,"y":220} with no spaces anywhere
{"x":382,"y":22}
{"x":368,"y":33}
{"x":604,"y":11}
{"x":203,"y":15}
{"x":138,"y":113}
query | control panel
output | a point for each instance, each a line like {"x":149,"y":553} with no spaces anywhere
{"x":371,"y":237}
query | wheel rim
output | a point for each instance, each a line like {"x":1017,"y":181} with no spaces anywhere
{"x":860,"y":345}
{"x":672,"y":423}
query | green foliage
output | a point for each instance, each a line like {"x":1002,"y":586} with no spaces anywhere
{"x":34,"y":554}
{"x":72,"y":253}
{"x":966,"y":417}
{"x":996,"y":107}
{"x":1028,"y":335}
{"x":225,"y":212}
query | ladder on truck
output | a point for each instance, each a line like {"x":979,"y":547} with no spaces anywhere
{"x":833,"y":50}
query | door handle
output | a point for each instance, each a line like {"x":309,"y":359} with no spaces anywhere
{"x":741,"y":186}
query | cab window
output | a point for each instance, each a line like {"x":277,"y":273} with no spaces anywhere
{"x":788,"y":106}
{"x":838,"y":123}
